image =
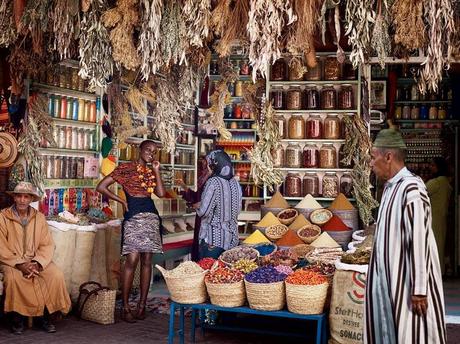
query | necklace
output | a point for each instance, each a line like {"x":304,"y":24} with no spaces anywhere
{"x":146,"y":177}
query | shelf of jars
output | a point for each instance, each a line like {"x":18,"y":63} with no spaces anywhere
{"x":57,"y":90}
{"x":239,"y":120}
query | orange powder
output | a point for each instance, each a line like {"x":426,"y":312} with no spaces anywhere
{"x":341,"y":203}
{"x":289,"y":239}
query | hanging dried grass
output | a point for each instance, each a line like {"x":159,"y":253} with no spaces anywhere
{"x":219,"y":17}
{"x":122,"y":21}
{"x":23,"y":65}
{"x":173,"y":33}
{"x":8,"y":32}
{"x":38,"y":109}
{"x":35,"y":21}
{"x":408,"y":24}
{"x":381,"y":42}
{"x":136,"y":100}
{"x":65,"y":26}
{"x":267,"y":19}
{"x":235,"y":29}
{"x":197,"y":15}
{"x":219,"y":100}
{"x":200,"y":58}
{"x":148,"y":94}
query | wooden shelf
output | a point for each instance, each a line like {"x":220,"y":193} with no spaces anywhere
{"x":336,"y":111}
{"x":423,"y":101}
{"x":313,"y":140}
{"x":238,"y":120}
{"x":71,"y":122}
{"x":63,"y":150}
{"x":313,"y":82}
{"x":63,"y":91}
{"x":446,"y":121}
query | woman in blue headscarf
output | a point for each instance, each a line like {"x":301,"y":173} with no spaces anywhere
{"x":219,"y":207}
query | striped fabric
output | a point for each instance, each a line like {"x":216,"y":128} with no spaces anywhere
{"x":219,"y":210}
{"x":404,"y":262}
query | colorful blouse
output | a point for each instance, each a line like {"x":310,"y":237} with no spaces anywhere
{"x":127,"y":176}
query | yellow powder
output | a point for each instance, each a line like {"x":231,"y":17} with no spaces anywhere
{"x":308,"y":202}
{"x":256,"y":238}
{"x":268,"y":220}
{"x":277,"y":201}
{"x":324,"y":240}
{"x":341,"y":203}
{"x":299,"y":222}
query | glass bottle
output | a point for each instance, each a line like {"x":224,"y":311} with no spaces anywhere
{"x":415,"y":112}
{"x":414,"y":93}
{"x":331,"y":68}
{"x":312,"y":98}
{"x":314,"y":127}
{"x":278,"y":70}
{"x":442,"y":112}
{"x":406,"y":111}
{"x":280,"y":121}
{"x":277,"y":98}
{"x":310,"y":184}
{"x":346,"y":184}
{"x":424,"y":112}
{"x":328,"y":156}
{"x":293,"y":156}
{"x":296,"y":127}
{"x":398,"y":112}
{"x":330,"y":185}
{"x":328,"y":97}
{"x":346,"y":99}
{"x":293,"y":185}
{"x":433,"y":112}
{"x":331,"y":127}
{"x":310,"y":156}
{"x":294,"y":98}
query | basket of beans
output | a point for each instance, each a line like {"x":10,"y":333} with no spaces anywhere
{"x":233,"y":255}
{"x":287,"y":216}
{"x":225,"y":287}
{"x":275,"y":232}
{"x":265,"y":289}
{"x":306,"y":292}
{"x":309,"y":233}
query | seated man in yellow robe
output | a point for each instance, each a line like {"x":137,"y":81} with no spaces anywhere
{"x":34,"y":285}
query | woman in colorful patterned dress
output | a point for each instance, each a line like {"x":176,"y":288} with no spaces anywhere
{"x":141,"y":234}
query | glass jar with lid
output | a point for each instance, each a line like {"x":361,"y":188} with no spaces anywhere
{"x":312,"y":98}
{"x":296,"y":127}
{"x":310,"y":184}
{"x":398,"y":112}
{"x":406,"y":111}
{"x":280,"y":121}
{"x":330,"y":185}
{"x":294,"y":98}
{"x":331,"y":68}
{"x":277,"y":98}
{"x":414,"y":93}
{"x":346,"y":98}
{"x":328,"y":97}
{"x":346,"y":184}
{"x":278,"y":156}
{"x":293,"y":155}
{"x":278,"y":71}
{"x":415,"y":112}
{"x":442,"y":112}
{"x":295,"y":69}
{"x":293,"y":185}
{"x":314,"y":73}
{"x":349,"y":73}
{"x":310,"y":156}
{"x":314,"y":127}
{"x":433,"y":112}
{"x":328,"y":156}
{"x":331,"y":127}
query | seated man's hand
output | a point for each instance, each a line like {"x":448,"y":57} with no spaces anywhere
{"x":28,"y":269}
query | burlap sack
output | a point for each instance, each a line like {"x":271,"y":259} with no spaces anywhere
{"x":81,"y":267}
{"x":98,"y":260}
{"x":113,"y":254}
{"x":346,"y":317}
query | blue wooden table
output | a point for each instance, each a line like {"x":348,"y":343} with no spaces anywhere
{"x":321,"y":328}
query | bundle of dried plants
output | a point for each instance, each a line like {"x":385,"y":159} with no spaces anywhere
{"x":381,"y":42}
{"x":150,"y":38}
{"x":23,"y":65}
{"x":219,"y":17}
{"x":65,"y":21}
{"x":96,"y":62}
{"x":408,"y":24}
{"x":197,"y":15}
{"x":136,"y":100}
{"x":267,"y":19}
{"x":35,"y":21}
{"x":8,"y":32}
{"x":122,"y":20}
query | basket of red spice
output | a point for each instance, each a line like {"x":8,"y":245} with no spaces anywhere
{"x":338,"y":231}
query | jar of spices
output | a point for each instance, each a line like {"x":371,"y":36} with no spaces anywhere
{"x":433,"y":112}
{"x":244,"y":67}
{"x":294,"y":101}
{"x":81,"y":85}
{"x":310,"y":184}
{"x":424,"y":112}
{"x":398,"y":112}
{"x":331,"y":127}
{"x":57,"y":167}
{"x":277,"y":98}
{"x":55,"y":136}
{"x":310,"y":156}
{"x":69,"y":108}
{"x":68,"y":137}
{"x":278,"y":70}
{"x":57,"y":106}
{"x":295,"y":70}
{"x":63,"y":114}
{"x":349,"y":73}
{"x":442,"y":112}
{"x":237,"y":111}
{"x":280,"y":122}
{"x":81,"y":139}
{"x":65,"y":169}
{"x":49,"y":166}
{"x":239,"y":88}
{"x":312,"y":98}
{"x":61,"y":138}
{"x":331,"y":68}
{"x":296,"y":127}
{"x":74,"y":81}
{"x":406,"y":111}
{"x":330,"y":185}
{"x":415,"y":112}
{"x":314,"y":73}
{"x":278,"y":156}
{"x":314,"y":127}
{"x":73,"y":168}
{"x":231,"y":88}
{"x":293,"y":185}
{"x":86,"y":134}
{"x":293,"y":156}
{"x":93,"y":112}
{"x":346,"y":185}
{"x":414,"y":94}
{"x":80,"y":168}
{"x":346,"y":99}
{"x":328,"y":97}
{"x":328,"y":156}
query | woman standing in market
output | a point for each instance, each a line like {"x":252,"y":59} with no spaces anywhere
{"x":141,"y":231}
{"x":439,"y":191}
{"x":194,"y":197}
{"x":219,"y":207}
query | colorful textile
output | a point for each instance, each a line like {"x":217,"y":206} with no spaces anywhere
{"x":127,"y":176}
{"x":404,"y":262}
{"x":141,"y":233}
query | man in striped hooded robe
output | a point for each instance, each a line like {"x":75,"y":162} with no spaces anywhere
{"x":404,"y":296}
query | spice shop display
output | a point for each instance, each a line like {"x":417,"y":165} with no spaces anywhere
{"x":310,"y":184}
{"x":296,"y":127}
{"x":332,"y":127}
{"x":314,"y":127}
{"x":293,"y":185}
{"x":328,"y":156}
{"x":293,"y":156}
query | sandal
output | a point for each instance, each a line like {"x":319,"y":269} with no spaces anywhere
{"x":140,"y":314}
{"x":127,"y":316}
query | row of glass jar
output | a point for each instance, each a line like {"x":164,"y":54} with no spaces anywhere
{"x":331,"y":185}
{"x":314,"y":127}
{"x":241,"y":67}
{"x":238,"y":111}
{"x":65,"y":77}
{"x":293,"y":70}
{"x":309,"y":157}
{"x":63,"y":167}
{"x":187,"y":176}
{"x":312,"y":98}
{"x":69,"y":137}
{"x":423,"y":112}
{"x":413,"y":93}
{"x":77,"y":109}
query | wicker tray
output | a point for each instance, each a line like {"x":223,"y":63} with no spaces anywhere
{"x":309,"y":239}
{"x":272,"y":235}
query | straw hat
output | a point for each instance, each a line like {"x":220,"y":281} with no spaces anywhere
{"x":8,"y":149}
{"x":26,"y":188}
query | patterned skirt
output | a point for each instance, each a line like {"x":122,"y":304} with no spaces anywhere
{"x":141,"y":233}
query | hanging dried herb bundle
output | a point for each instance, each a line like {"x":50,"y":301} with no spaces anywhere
{"x":35,"y":21}
{"x":96,"y":63}
{"x":38,"y":110}
{"x":234,"y":30}
{"x":303,"y":30}
{"x":121,"y":20}
{"x":200,"y":58}
{"x":150,"y":38}
{"x":456,"y":35}
{"x":267,"y":19}
{"x":197,"y":14}
{"x":23,"y":64}
{"x":250,"y":95}
{"x":439,"y":16}
{"x":408,"y":24}
{"x":219,"y":17}
{"x":262,"y":169}
{"x":187,"y":79}
{"x":8,"y":32}
{"x":381,"y":42}
{"x":359,"y":17}
{"x":66,"y":26}
{"x":357,"y":151}
{"x":136,"y":100}
{"x":173,"y":33}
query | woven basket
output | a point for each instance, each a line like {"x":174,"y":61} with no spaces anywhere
{"x":96,"y":303}
{"x":269,"y":232}
{"x":309,"y":239}
{"x":266,"y":296}
{"x":306,"y":299}
{"x":290,"y":220}
{"x":237,"y":248}
{"x":349,"y":217}
{"x":185,"y":289}
{"x":341,"y":237}
{"x":302,"y":249}
{"x":227,"y":294}
{"x":313,"y":216}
